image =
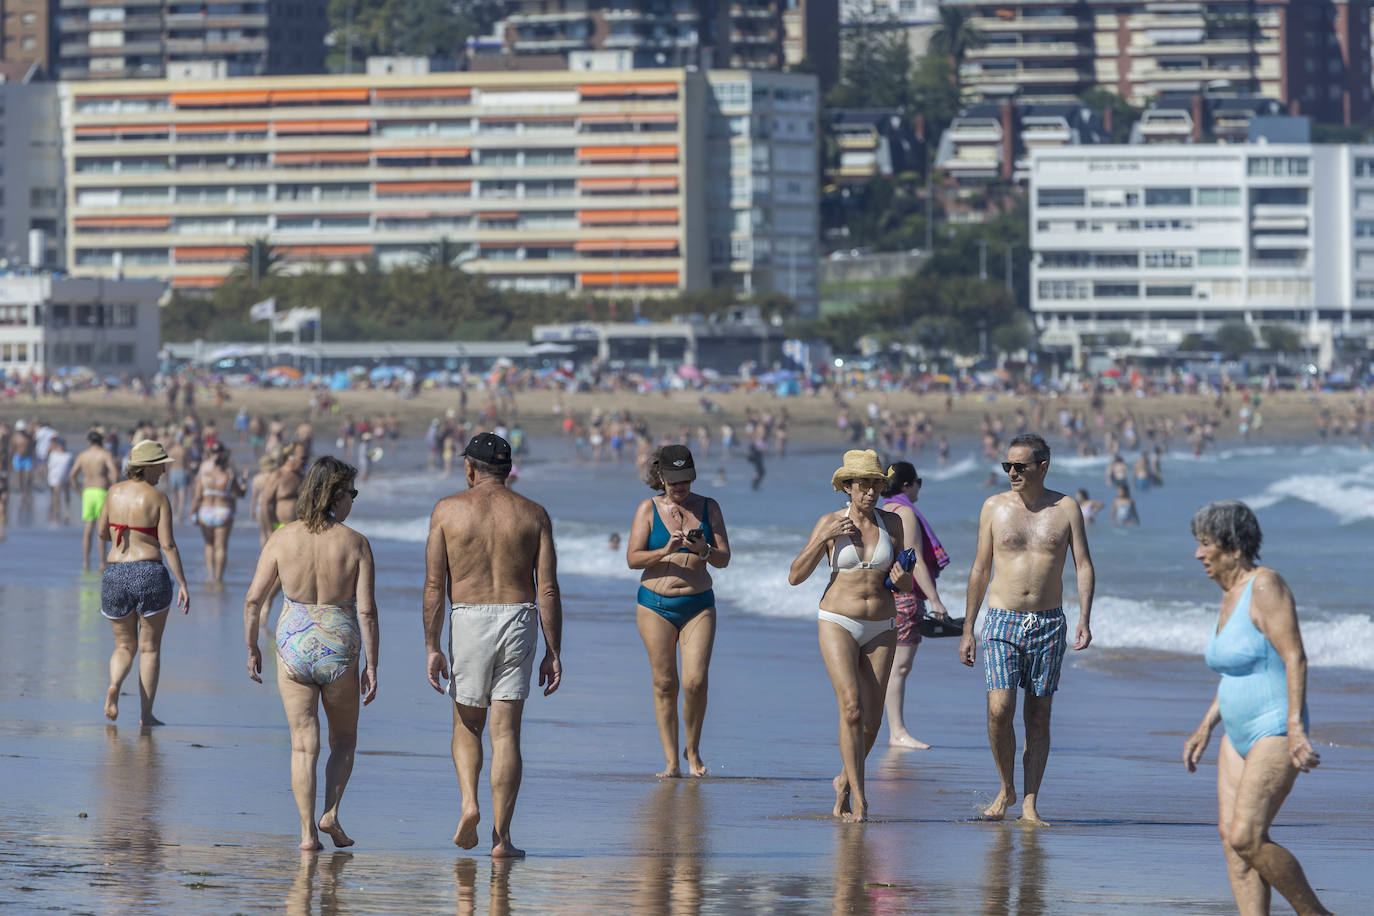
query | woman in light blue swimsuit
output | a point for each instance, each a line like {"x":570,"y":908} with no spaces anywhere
{"x":1262,"y":701}
{"x":675,"y":537}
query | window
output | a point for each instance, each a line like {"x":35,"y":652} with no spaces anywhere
{"x":1293,"y":196}
{"x":1278,"y":166}
{"x":1364,"y":168}
{"x":1218,"y":197}
{"x":1218,"y":257}
{"x":1168,"y":197}
{"x":1181,"y":291}
{"x":1116,"y":290}
{"x":1168,"y":258}
{"x":1364,"y":228}
{"x":731,"y":94}
{"x":1060,"y":197}
{"x":1364,"y":289}
{"x":1065,"y":289}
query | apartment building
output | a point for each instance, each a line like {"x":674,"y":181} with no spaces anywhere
{"x":152,"y":39}
{"x":1162,"y":241}
{"x":26,"y":32}
{"x":1311,"y":55}
{"x":551,"y":181}
{"x":917,"y":18}
{"x":31,"y":225}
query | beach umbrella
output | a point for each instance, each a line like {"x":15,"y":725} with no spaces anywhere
{"x":692,"y":373}
{"x":286,"y":373}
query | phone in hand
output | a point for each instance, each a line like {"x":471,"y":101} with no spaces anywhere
{"x":695,"y":534}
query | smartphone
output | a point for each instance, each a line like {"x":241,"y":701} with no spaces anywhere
{"x":695,"y":534}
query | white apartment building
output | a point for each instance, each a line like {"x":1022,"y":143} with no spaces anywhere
{"x":112,"y":327}
{"x":1162,"y":241}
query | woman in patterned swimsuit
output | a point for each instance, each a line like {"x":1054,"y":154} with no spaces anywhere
{"x":327,"y":579}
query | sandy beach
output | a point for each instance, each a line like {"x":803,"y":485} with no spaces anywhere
{"x":196,"y":817}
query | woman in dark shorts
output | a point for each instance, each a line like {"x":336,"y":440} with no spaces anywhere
{"x":902,"y":491}
{"x":674,"y":538}
{"x":135,"y":589}
{"x":326,"y":637}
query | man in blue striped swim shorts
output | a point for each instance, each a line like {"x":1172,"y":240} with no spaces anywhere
{"x":1024,"y":537}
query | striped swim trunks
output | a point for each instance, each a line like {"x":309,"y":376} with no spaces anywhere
{"x":1024,"y":649}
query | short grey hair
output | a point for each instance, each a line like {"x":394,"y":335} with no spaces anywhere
{"x":1040,"y":449}
{"x":1231,"y":525}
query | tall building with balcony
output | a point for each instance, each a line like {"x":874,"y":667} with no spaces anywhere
{"x":551,"y":181}
{"x":26,"y":32}
{"x":1162,"y":241}
{"x":167,"y":39}
{"x":31,"y":224}
{"x":1313,"y":56}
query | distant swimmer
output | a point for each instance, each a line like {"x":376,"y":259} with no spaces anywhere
{"x":1089,"y":506}
{"x":489,"y":559}
{"x":1262,"y":700}
{"x":1123,"y":508}
{"x":1024,"y":537}
{"x":327,"y":637}
{"x":1117,"y":472}
{"x":1141,"y":470}
{"x":277,"y":501}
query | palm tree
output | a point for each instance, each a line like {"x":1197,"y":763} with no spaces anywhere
{"x":260,"y":258}
{"x":954,"y":37}
{"x":443,"y":254}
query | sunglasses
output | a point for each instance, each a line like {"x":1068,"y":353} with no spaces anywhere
{"x":1019,"y":467}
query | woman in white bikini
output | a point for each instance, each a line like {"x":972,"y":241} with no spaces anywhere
{"x":857,"y":624}
{"x":212,"y":506}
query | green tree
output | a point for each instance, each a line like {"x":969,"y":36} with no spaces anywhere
{"x":1235,"y":338}
{"x":1011,"y":336}
{"x":443,"y":254}
{"x":875,"y":70}
{"x":1280,"y":337}
{"x":1124,"y":114}
{"x":260,"y":258}
{"x":954,"y":37}
{"x":424,"y":28}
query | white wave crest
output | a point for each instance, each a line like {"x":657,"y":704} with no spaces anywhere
{"x":1349,"y":497}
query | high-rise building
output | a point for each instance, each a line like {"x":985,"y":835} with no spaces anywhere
{"x":26,"y":32}
{"x":169,"y":39}
{"x":1313,"y":56}
{"x":550,"y":180}
{"x":31,"y":225}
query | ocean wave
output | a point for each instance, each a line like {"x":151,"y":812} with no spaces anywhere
{"x":1346,"y":496}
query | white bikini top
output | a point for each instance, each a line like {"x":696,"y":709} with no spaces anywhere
{"x":846,"y":558}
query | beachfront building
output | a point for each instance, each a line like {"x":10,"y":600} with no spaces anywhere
{"x":30,"y":169}
{"x":26,"y":32}
{"x":111,"y":327}
{"x":550,"y":181}
{"x":1311,"y":55}
{"x":155,"y":39}
{"x":1163,"y":241}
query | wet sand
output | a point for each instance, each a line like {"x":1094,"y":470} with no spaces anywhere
{"x":197,"y":816}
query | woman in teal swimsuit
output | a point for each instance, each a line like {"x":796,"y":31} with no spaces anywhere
{"x":674,"y":538}
{"x":330,"y":614}
{"x":1262,"y":701}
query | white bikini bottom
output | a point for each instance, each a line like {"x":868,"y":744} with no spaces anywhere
{"x":863,"y":631}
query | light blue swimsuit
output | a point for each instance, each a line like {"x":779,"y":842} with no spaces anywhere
{"x":1253,"y":693}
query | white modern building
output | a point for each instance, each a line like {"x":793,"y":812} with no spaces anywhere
{"x":112,"y":327}
{"x":1162,"y":241}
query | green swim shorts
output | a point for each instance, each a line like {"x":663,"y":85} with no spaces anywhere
{"x":92,"y":501}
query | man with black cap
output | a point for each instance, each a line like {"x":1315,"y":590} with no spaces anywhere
{"x":489,"y":559}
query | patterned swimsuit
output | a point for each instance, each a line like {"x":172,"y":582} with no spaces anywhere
{"x":318,"y":643}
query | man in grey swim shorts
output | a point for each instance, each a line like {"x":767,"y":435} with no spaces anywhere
{"x":490,"y":562}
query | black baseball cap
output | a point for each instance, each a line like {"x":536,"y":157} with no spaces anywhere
{"x":489,"y":448}
{"x":675,"y":464}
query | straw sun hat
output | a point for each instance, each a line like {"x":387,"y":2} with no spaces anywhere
{"x":147,"y":452}
{"x":858,"y":465}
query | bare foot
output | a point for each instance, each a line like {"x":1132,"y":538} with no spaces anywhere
{"x":504,"y":849}
{"x":859,"y":815}
{"x":909,"y":742}
{"x":112,"y":703}
{"x":466,"y":837}
{"x":841,"y":797}
{"x":330,"y":825}
{"x":695,"y":765}
{"x":998,"y":809}
{"x":311,"y":844}
{"x":672,"y":772}
{"x":1029,"y":816}
{"x":149,"y":719}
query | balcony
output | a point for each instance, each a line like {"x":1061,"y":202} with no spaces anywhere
{"x":550,"y":44}
{"x":1032,"y":24}
{"x":237,"y":46}
{"x":754,"y":38}
{"x":1032,"y":50}
{"x":240,"y":21}
{"x":185,"y":46}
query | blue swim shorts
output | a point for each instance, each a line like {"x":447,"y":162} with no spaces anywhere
{"x":1024,"y":649}
{"x":22,"y":462}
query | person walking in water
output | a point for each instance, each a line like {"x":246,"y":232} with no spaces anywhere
{"x":490,"y":553}
{"x":676,"y":537}
{"x":135,"y":589}
{"x":98,"y":472}
{"x":328,"y":616}
{"x":1024,"y":537}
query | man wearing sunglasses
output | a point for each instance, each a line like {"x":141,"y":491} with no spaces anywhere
{"x":1024,"y":536}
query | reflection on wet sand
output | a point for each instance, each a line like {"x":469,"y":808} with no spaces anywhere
{"x":866,"y":871}
{"x":128,"y":829}
{"x":672,"y":846}
{"x":1003,"y":872}
{"x":465,"y":871}
{"x":301,"y":897}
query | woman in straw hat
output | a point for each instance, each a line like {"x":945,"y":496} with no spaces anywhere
{"x":675,"y":537}
{"x":329,"y":617}
{"x":857,"y":626}
{"x":135,"y":589}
